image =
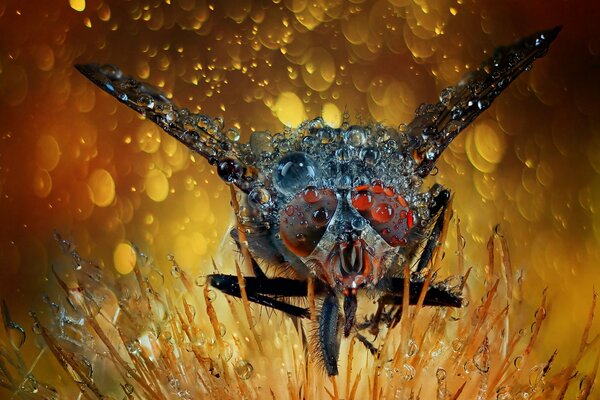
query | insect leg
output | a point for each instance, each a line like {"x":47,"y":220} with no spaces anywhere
{"x":328,"y":333}
{"x":439,"y":208}
{"x":435,"y":295}
{"x":372,"y":349}
{"x":258,"y":272}
{"x":260,"y":290}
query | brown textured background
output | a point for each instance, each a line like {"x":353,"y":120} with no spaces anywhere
{"x":74,"y":160}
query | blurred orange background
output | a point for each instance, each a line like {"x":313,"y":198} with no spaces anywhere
{"x":72,"y":159}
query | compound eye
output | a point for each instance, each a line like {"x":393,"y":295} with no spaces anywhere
{"x":294,"y":172}
{"x":387,"y":212}
{"x":303,"y":222}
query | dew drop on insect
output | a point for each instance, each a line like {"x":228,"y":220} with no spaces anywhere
{"x":289,"y":211}
{"x":259,"y":196}
{"x":311,"y":195}
{"x":230,"y":170}
{"x":382,"y":213}
{"x":377,"y":187}
{"x":446,"y":95}
{"x":111,"y":71}
{"x":362,"y":200}
{"x":369,"y":156}
{"x":326,"y":135}
{"x":343,"y":154}
{"x":359,"y":223}
{"x":233,"y":134}
{"x":355,"y":136}
{"x":243,"y":369}
{"x":145,"y":101}
{"x":320,"y":216}
{"x":294,"y":172}
{"x":261,"y":142}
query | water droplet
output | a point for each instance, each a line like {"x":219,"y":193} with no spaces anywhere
{"x":230,"y":170}
{"x":200,"y":281}
{"x":261,"y":142}
{"x":260,"y":197}
{"x":343,"y":154}
{"x":222,"y":330}
{"x":518,"y":362}
{"x":440,"y":375}
{"x":326,"y":135}
{"x":128,"y":388}
{"x":382,"y":213}
{"x":408,"y":372}
{"x":176,"y":272}
{"x":30,"y":384}
{"x":227,"y":352}
{"x":294,"y":172}
{"x":362,"y":200}
{"x":244,"y":369}
{"x":369,"y":156}
{"x":355,"y":136}
{"x":311,"y":195}
{"x":446,"y":96}
{"x":145,"y":101}
{"x":321,"y":216}
{"x":111,"y":71}
{"x":481,"y":359}
{"x":233,"y":134}
{"x":359,"y":223}
{"x":413,"y":348}
{"x":16,"y":334}
{"x":211,"y":295}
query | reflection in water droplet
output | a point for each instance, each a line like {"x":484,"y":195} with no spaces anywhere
{"x":243,"y":369}
{"x":227,"y":352}
{"x":16,"y":334}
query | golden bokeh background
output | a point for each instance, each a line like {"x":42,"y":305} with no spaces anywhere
{"x":74,"y":160}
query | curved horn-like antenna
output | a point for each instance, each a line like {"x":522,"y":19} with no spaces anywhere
{"x":199,"y":132}
{"x":436,"y":125}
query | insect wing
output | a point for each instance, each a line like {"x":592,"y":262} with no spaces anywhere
{"x":436,"y":125}
{"x":199,"y":132}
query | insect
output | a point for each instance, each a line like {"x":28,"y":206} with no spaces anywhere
{"x":341,"y":208}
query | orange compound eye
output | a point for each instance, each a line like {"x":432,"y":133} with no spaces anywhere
{"x":303,"y":221}
{"x":387,"y":212}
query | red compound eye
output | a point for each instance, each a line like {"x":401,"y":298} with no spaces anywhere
{"x":303,"y":221}
{"x":387,"y":211}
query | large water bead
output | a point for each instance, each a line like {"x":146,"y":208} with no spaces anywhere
{"x":294,"y":172}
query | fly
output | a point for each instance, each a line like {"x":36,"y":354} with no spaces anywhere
{"x":343,"y":208}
